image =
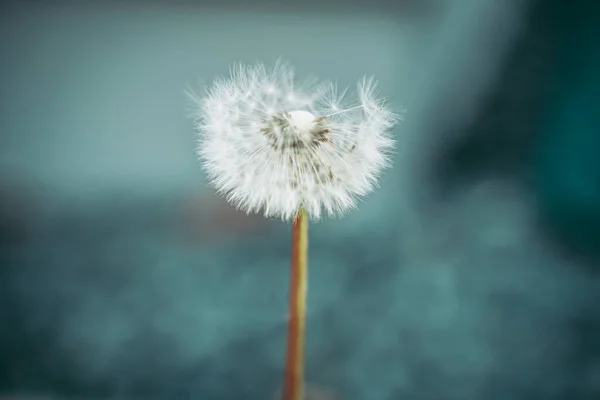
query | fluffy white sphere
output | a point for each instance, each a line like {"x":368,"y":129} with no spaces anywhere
{"x":269,"y":144}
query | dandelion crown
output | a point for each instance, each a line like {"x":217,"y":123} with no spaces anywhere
{"x":269,"y":144}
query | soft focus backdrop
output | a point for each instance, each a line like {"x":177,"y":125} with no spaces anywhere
{"x":471,"y":274}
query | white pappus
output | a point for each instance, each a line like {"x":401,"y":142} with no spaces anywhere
{"x":269,"y":144}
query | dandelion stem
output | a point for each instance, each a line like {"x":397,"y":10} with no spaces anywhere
{"x":293,"y":388}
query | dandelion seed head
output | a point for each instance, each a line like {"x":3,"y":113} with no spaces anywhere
{"x":271,"y":145}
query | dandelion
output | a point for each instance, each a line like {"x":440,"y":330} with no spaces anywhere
{"x":292,"y":151}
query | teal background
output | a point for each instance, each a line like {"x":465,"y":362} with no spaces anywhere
{"x":568,"y":143}
{"x":471,"y":273}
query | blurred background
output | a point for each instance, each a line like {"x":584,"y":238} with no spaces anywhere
{"x":470,"y":274}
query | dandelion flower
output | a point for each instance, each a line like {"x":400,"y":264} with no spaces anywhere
{"x":270,"y":144}
{"x":292,"y":151}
